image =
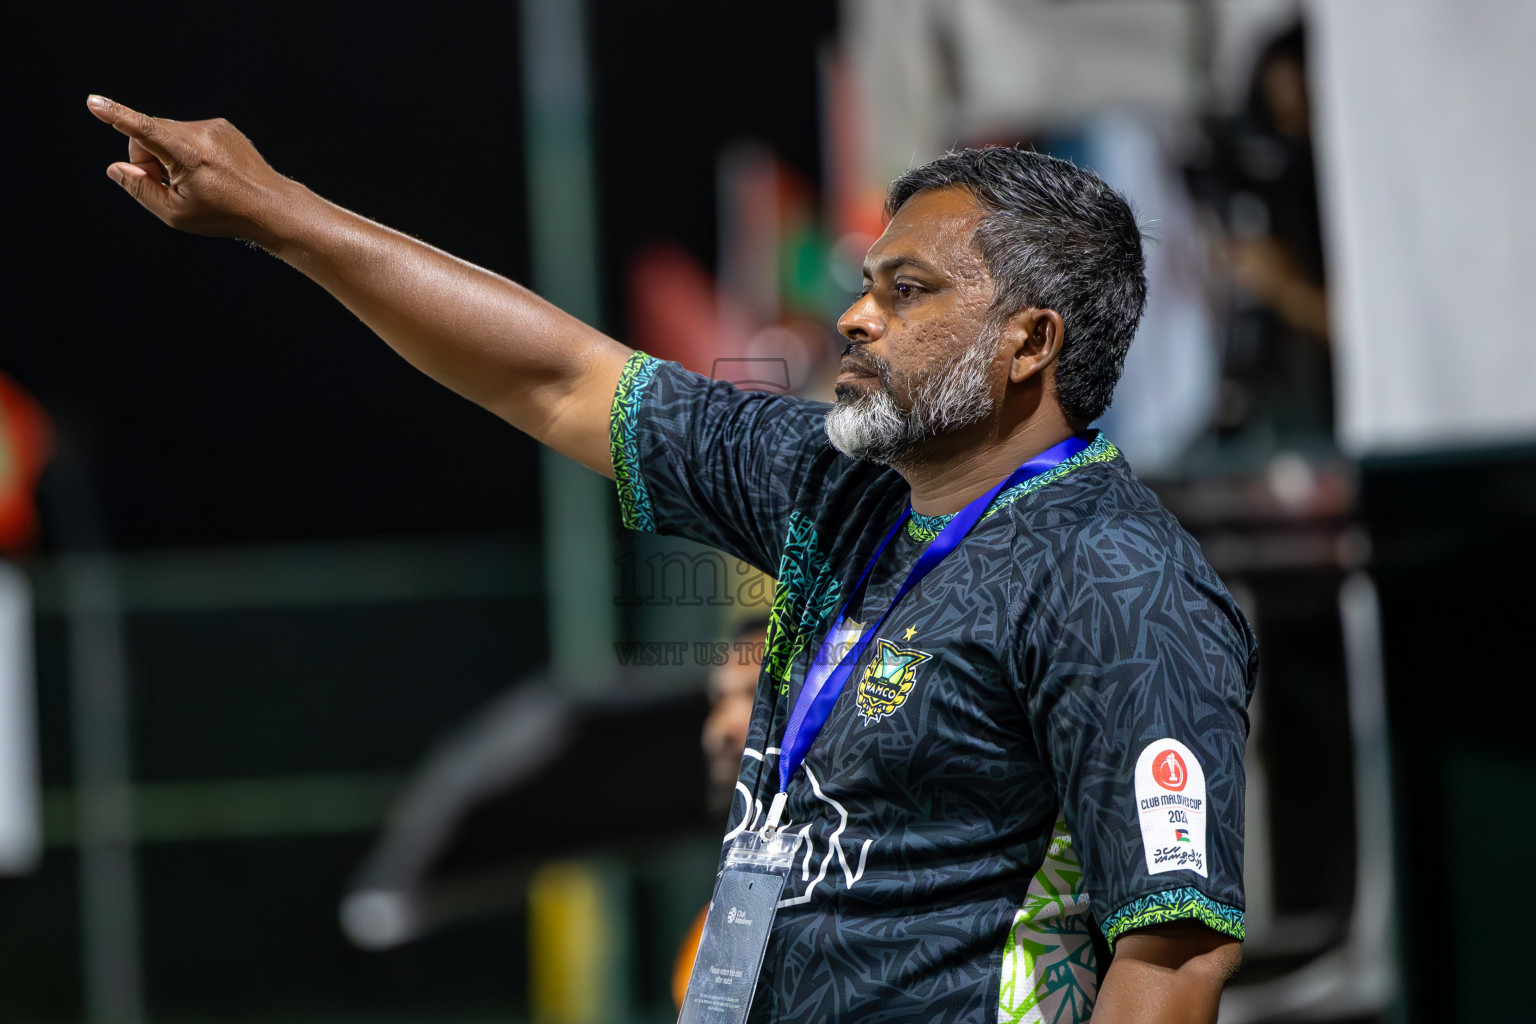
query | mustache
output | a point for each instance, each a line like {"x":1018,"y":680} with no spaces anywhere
{"x":858,"y":361}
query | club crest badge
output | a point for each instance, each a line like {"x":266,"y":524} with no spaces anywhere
{"x":887,"y":680}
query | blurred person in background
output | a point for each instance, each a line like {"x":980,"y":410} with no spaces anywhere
{"x":1043,"y":753}
{"x":732,"y":692}
{"x":732,"y":688}
{"x":1263,"y":179}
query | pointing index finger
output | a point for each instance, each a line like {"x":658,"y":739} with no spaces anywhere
{"x":143,"y":129}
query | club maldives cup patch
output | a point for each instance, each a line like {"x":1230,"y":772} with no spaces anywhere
{"x":1170,"y":800}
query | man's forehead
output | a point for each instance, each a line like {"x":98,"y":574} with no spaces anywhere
{"x":932,"y":229}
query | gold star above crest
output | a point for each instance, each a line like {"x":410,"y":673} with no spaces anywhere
{"x":911,"y":632}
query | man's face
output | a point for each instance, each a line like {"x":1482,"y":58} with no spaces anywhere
{"x":919,"y":361}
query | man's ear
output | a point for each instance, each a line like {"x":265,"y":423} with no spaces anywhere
{"x":1034,"y":342}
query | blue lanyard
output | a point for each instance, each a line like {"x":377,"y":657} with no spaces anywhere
{"x":814,"y":704}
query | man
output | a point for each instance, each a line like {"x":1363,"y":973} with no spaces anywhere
{"x":1042,"y":741}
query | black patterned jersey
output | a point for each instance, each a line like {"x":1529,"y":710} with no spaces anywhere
{"x":1044,"y":740}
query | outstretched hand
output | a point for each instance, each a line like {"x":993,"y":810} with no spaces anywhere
{"x":489,"y":339}
{"x":198,"y":176}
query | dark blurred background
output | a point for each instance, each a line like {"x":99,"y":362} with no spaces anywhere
{"x":271,"y":582}
{"x":216,"y":412}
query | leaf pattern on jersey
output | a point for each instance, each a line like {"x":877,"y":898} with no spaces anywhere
{"x":803,"y":601}
{"x":1050,"y":972}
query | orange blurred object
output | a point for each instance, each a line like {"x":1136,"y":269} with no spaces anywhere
{"x":689,"y":949}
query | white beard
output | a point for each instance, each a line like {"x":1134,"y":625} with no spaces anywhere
{"x":876,"y":428}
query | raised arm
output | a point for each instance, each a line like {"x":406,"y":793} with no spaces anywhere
{"x":488,"y":338}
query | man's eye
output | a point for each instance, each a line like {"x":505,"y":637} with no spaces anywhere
{"x":904,"y":290}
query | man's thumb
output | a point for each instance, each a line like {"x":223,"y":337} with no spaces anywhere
{"x":136,"y":181}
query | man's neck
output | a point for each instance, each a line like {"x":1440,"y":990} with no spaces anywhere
{"x":952,"y":472}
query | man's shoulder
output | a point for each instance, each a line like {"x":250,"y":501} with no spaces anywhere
{"x":1098,"y":500}
{"x":1101,"y":522}
{"x":1100,"y":539}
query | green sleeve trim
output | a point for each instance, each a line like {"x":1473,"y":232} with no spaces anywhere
{"x":623,"y":443}
{"x":1174,"y":905}
{"x":923,"y":528}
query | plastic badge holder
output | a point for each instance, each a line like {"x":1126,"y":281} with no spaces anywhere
{"x":735,"y":937}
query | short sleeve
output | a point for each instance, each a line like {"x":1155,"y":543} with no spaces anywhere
{"x":701,"y":459}
{"x":1142,"y":678}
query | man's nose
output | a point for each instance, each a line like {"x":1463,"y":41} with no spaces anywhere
{"x":861,"y":323}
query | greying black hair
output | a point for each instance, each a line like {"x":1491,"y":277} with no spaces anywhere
{"x":1055,"y":237}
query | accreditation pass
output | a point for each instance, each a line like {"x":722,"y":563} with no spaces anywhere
{"x":735,"y":936}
